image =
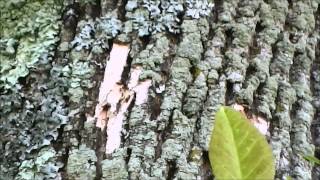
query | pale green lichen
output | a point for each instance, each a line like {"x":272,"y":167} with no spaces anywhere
{"x":94,"y":34}
{"x":181,"y":77}
{"x":196,"y":94}
{"x":30,"y":29}
{"x":302,"y":17}
{"x":44,"y":166}
{"x":210,"y":67}
{"x":81,"y":73}
{"x":269,"y":32}
{"x":196,"y":9}
{"x":163,"y":15}
{"x":30,"y":116}
{"x":259,"y":65}
{"x":191,"y":46}
{"x":282,"y":125}
{"x":283,"y":57}
{"x":267,"y":96}
{"x":81,"y":163}
{"x":141,"y":137}
{"x":303,"y":115}
{"x":115,"y":168}
{"x":279,"y":9}
{"x":176,"y":146}
{"x":153,"y":56}
{"x":85,"y":38}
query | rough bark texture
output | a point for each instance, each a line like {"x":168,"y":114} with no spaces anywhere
{"x":198,"y":55}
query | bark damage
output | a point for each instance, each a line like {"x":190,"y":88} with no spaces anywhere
{"x":128,"y":89}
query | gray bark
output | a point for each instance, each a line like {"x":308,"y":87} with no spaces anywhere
{"x":264,"y":55}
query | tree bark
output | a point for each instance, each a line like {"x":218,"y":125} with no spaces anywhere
{"x":128,"y":89}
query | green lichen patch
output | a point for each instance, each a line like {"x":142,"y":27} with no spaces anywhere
{"x":81,"y":163}
{"x":30,"y":30}
{"x":44,"y":166}
{"x":115,"y":168}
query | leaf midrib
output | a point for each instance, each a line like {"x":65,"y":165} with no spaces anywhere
{"x":234,"y":143}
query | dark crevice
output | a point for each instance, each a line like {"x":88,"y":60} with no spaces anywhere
{"x":126,"y":125}
{"x":95,"y":9}
{"x":259,"y":28}
{"x":254,"y":49}
{"x":315,"y":130}
{"x":108,"y":6}
{"x":129,"y":152}
{"x":80,"y":127}
{"x":145,"y":40}
{"x":165,"y":67}
{"x":293,"y":112}
{"x":172,"y":169}
{"x":122,"y":10}
{"x":315,"y":67}
{"x":184,"y":96}
{"x":257,"y":10}
{"x":317,"y":20}
{"x":126,"y":72}
{"x":58,"y":143}
{"x":167,"y":131}
{"x":229,"y":97}
{"x":195,"y":71}
{"x":274,"y":49}
{"x":100,"y":151}
{"x":250,"y":72}
{"x":197,"y":125}
{"x":205,"y":170}
{"x":81,"y":10}
{"x":64,"y":159}
{"x":275,"y":121}
{"x":66,"y":99}
{"x":290,"y":4}
{"x":118,"y":106}
{"x":163,"y":135}
{"x":211,"y":34}
{"x":274,"y":125}
{"x":155,"y":104}
{"x":180,"y":16}
{"x":70,"y":17}
{"x":217,"y":10}
{"x":294,"y":67}
{"x":267,"y":1}
{"x":288,"y":22}
{"x":315,"y":91}
{"x":93,"y":93}
{"x":2,"y":90}
{"x":293,"y":38}
{"x":22,"y":81}
{"x":228,"y":40}
{"x":256,"y":100}
{"x":110,"y":44}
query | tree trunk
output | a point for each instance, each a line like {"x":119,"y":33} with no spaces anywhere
{"x":128,"y":89}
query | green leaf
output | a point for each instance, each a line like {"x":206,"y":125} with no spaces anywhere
{"x":238,"y":150}
{"x":313,"y":160}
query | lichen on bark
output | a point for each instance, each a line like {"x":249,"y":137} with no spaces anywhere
{"x":186,"y":58}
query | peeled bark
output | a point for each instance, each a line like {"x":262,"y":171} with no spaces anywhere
{"x":128,"y":89}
